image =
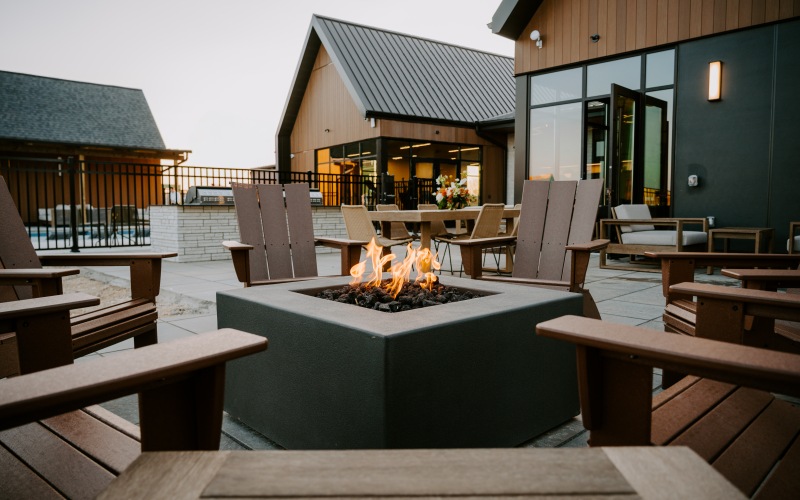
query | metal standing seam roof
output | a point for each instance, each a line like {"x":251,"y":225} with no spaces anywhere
{"x":37,"y":108}
{"x":391,"y":73}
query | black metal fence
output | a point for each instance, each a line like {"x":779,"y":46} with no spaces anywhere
{"x":71,"y":204}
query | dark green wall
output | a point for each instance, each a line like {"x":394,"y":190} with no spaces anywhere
{"x":744,"y":148}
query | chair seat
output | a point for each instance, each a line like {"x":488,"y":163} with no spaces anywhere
{"x":663,"y":238}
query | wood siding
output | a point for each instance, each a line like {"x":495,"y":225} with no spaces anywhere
{"x":628,"y":25}
{"x":327,"y":105}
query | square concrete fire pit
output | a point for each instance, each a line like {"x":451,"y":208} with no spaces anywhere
{"x":465,"y":374}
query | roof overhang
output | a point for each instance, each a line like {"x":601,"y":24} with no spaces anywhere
{"x":69,"y":149}
{"x":512,"y":16}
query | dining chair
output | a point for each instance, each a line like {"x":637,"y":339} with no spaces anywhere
{"x":359,"y":227}
{"x":399,"y":229}
{"x":487,"y":225}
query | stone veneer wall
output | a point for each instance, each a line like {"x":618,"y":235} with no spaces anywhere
{"x":196,"y":232}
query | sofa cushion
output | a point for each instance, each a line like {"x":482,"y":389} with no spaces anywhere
{"x":664,"y":238}
{"x":634,"y":212}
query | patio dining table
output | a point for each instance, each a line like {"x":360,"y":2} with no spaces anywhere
{"x":425,"y":217}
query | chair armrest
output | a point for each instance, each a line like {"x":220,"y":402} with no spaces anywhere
{"x":145,"y":268}
{"x":756,"y":302}
{"x":45,"y":305}
{"x":150,"y":370}
{"x":742,"y":365}
{"x":592,"y":246}
{"x":240,"y":255}
{"x":43,"y":281}
{"x":765,"y":278}
{"x":483,"y":243}
{"x":351,"y":251}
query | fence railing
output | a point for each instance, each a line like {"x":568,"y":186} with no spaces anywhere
{"x":71,"y":204}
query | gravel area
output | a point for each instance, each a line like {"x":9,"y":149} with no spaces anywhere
{"x":112,"y":290}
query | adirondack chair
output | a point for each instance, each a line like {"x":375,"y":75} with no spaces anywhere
{"x":722,"y":410}
{"x":53,"y":445}
{"x":22,"y":277}
{"x":277,"y":235}
{"x":680,"y":309}
{"x":554,"y":238}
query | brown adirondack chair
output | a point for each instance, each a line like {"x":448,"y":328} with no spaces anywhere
{"x":53,"y":445}
{"x":680,"y":311}
{"x":277,"y":235}
{"x":554,"y":238}
{"x":22,"y":277}
{"x":722,"y":410}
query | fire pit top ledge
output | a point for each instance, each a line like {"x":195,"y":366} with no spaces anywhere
{"x":297,"y":298}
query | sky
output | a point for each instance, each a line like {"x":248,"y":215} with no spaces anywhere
{"x":216,"y":73}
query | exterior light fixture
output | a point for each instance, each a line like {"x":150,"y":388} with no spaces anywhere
{"x":715,"y":80}
{"x":537,"y":37}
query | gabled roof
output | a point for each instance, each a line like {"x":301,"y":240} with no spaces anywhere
{"x":512,"y":16}
{"x":391,"y":74}
{"x":41,"y":109}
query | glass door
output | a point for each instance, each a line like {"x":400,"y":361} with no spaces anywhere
{"x":638,"y":142}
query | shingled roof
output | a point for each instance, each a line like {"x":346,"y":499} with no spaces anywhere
{"x":41,"y":109}
{"x":391,"y":74}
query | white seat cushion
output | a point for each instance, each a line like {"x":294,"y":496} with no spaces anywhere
{"x":664,"y":238}
{"x":634,"y":212}
{"x":796,"y":244}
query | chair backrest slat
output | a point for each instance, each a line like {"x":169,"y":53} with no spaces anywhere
{"x":251,"y":232}
{"x":276,"y":232}
{"x":587,"y":202}
{"x":556,"y":229}
{"x":16,"y":249}
{"x":530,"y":230}
{"x":301,"y":230}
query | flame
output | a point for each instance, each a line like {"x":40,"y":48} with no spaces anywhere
{"x":400,"y":271}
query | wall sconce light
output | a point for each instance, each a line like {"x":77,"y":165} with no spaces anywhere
{"x":715,"y":80}
{"x":537,"y":37}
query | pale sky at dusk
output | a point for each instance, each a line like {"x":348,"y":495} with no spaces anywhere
{"x":215,"y":73}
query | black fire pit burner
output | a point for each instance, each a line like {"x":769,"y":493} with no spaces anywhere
{"x":411,"y":296}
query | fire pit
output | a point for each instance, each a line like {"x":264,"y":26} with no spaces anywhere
{"x":466,"y":374}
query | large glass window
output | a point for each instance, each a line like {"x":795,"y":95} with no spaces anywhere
{"x":625,"y":72}
{"x":555,"y":87}
{"x":555,"y":150}
{"x":660,"y":69}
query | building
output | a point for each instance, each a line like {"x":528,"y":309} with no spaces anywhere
{"x":619,"y":89}
{"x":50,"y":127}
{"x":368,"y":102}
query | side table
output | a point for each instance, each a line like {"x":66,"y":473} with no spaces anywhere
{"x":758,"y":234}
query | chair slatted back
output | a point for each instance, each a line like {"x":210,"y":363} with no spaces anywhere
{"x":553,"y":215}
{"x":357,"y":222}
{"x":16,"y":249}
{"x":488,"y":222}
{"x":281,"y":232}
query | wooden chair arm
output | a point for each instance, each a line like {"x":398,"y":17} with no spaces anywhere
{"x":45,"y":305}
{"x":763,"y":279}
{"x":44,"y":282}
{"x":483,"y":243}
{"x":186,"y":374}
{"x":351,"y":251}
{"x":737,"y":364}
{"x":145,"y":268}
{"x":592,"y":246}
{"x":756,"y":302}
{"x":240,"y":255}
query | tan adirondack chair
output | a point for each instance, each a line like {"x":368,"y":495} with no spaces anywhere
{"x":277,"y":235}
{"x":22,"y":277}
{"x":554,"y":238}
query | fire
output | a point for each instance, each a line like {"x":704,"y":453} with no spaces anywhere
{"x":423,"y":259}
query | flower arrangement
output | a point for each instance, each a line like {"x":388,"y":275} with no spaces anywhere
{"x":453,"y":194}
